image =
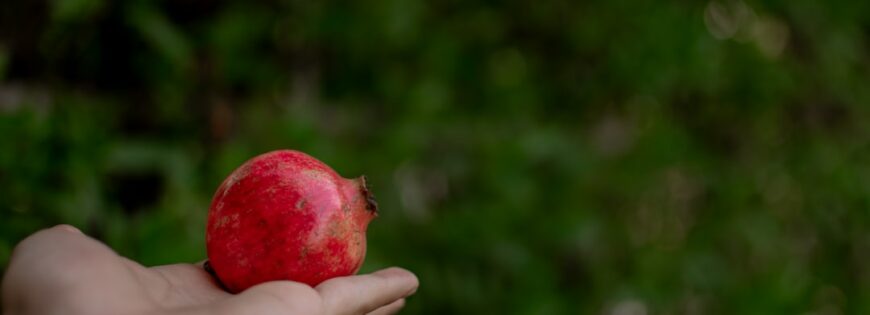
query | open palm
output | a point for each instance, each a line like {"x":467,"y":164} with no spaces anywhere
{"x":62,"y":271}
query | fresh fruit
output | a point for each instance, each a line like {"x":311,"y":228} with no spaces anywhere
{"x":284,"y":215}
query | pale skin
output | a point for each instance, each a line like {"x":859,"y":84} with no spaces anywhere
{"x":62,"y":271}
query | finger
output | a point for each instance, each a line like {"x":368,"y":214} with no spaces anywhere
{"x":365,"y":293}
{"x":276,"y":297}
{"x":389,"y":309}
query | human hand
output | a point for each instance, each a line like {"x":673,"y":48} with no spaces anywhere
{"x":62,"y":271}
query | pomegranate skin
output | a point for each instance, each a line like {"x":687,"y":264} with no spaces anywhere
{"x":284,"y":215}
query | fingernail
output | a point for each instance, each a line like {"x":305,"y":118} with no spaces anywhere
{"x":69,"y":228}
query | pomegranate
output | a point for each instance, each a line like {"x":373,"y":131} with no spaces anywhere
{"x":284,"y":215}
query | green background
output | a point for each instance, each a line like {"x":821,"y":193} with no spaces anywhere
{"x":530,"y":157}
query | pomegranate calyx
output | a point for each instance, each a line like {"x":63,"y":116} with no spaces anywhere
{"x":371,"y":203}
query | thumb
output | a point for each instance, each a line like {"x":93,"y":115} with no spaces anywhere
{"x":63,"y":262}
{"x":61,"y":253}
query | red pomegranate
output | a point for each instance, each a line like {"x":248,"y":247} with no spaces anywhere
{"x":284,"y":215}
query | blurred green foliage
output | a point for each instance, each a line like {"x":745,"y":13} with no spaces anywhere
{"x":531,"y":157}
